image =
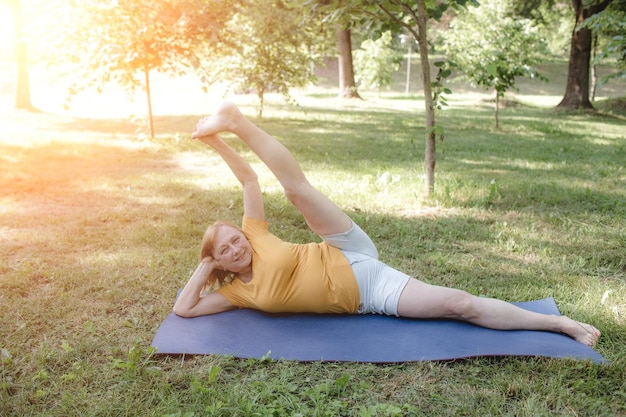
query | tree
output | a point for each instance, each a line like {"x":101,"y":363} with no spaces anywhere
{"x":22,"y":93}
{"x":551,"y":17}
{"x":492,"y":49}
{"x":376,"y":61}
{"x":268,"y":48}
{"x":611,"y":23}
{"x":412,"y":16}
{"x":123,"y":41}
{"x":577,"y":88}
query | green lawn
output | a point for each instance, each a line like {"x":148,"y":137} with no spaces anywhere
{"x":99,"y":229}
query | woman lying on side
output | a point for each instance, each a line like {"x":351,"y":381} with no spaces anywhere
{"x":340,"y":275}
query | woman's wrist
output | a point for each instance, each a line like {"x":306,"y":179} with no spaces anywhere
{"x":203,"y":270}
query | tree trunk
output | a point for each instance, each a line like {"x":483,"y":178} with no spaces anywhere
{"x":149,"y":98}
{"x":22,"y":92}
{"x":577,"y":89}
{"x":260,"y":93}
{"x":429,"y":159}
{"x":497,"y":121}
{"x":347,"y":85}
{"x":594,"y":74}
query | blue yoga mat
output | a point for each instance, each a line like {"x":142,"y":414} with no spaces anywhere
{"x":246,"y":333}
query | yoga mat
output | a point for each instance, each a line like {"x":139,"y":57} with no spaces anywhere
{"x":246,"y":333}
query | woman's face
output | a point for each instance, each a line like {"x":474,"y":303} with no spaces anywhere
{"x":232,"y":250}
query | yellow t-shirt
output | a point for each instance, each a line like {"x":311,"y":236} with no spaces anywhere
{"x":288,"y":277}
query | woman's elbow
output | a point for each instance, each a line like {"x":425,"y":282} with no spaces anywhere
{"x":184,"y":312}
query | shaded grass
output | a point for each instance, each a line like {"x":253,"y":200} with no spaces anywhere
{"x":99,"y":230}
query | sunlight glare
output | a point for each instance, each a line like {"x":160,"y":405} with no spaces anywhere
{"x":7,"y":34}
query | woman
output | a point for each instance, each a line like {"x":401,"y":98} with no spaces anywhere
{"x":340,"y":275}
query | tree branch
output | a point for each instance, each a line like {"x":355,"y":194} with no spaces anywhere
{"x":400,"y":22}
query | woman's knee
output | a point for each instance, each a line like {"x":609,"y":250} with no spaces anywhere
{"x":462,"y":305}
{"x":292,"y":195}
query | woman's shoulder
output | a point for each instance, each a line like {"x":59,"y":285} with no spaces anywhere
{"x":250,"y":223}
{"x":255,"y":228}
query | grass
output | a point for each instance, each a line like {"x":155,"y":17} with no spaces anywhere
{"x":99,"y":229}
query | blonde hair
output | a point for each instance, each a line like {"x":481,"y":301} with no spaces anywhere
{"x":218,"y":276}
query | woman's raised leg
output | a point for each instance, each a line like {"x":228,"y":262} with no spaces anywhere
{"x":322,"y":215}
{"x":421,"y":300}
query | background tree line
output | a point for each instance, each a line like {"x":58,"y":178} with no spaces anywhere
{"x":273,"y":45}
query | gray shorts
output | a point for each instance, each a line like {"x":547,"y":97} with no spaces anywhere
{"x":380,"y":285}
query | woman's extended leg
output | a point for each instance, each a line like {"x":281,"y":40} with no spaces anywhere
{"x":322,"y":215}
{"x":421,"y":300}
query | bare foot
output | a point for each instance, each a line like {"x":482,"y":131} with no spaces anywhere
{"x":582,"y":332}
{"x":224,"y":120}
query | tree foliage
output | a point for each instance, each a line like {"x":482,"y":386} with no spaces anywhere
{"x":553,"y":19}
{"x":118,"y":40}
{"x":121,"y":41}
{"x":376,"y":61}
{"x":268,"y":46}
{"x":492,"y":50}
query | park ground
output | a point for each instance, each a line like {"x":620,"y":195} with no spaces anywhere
{"x":100,"y":225}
